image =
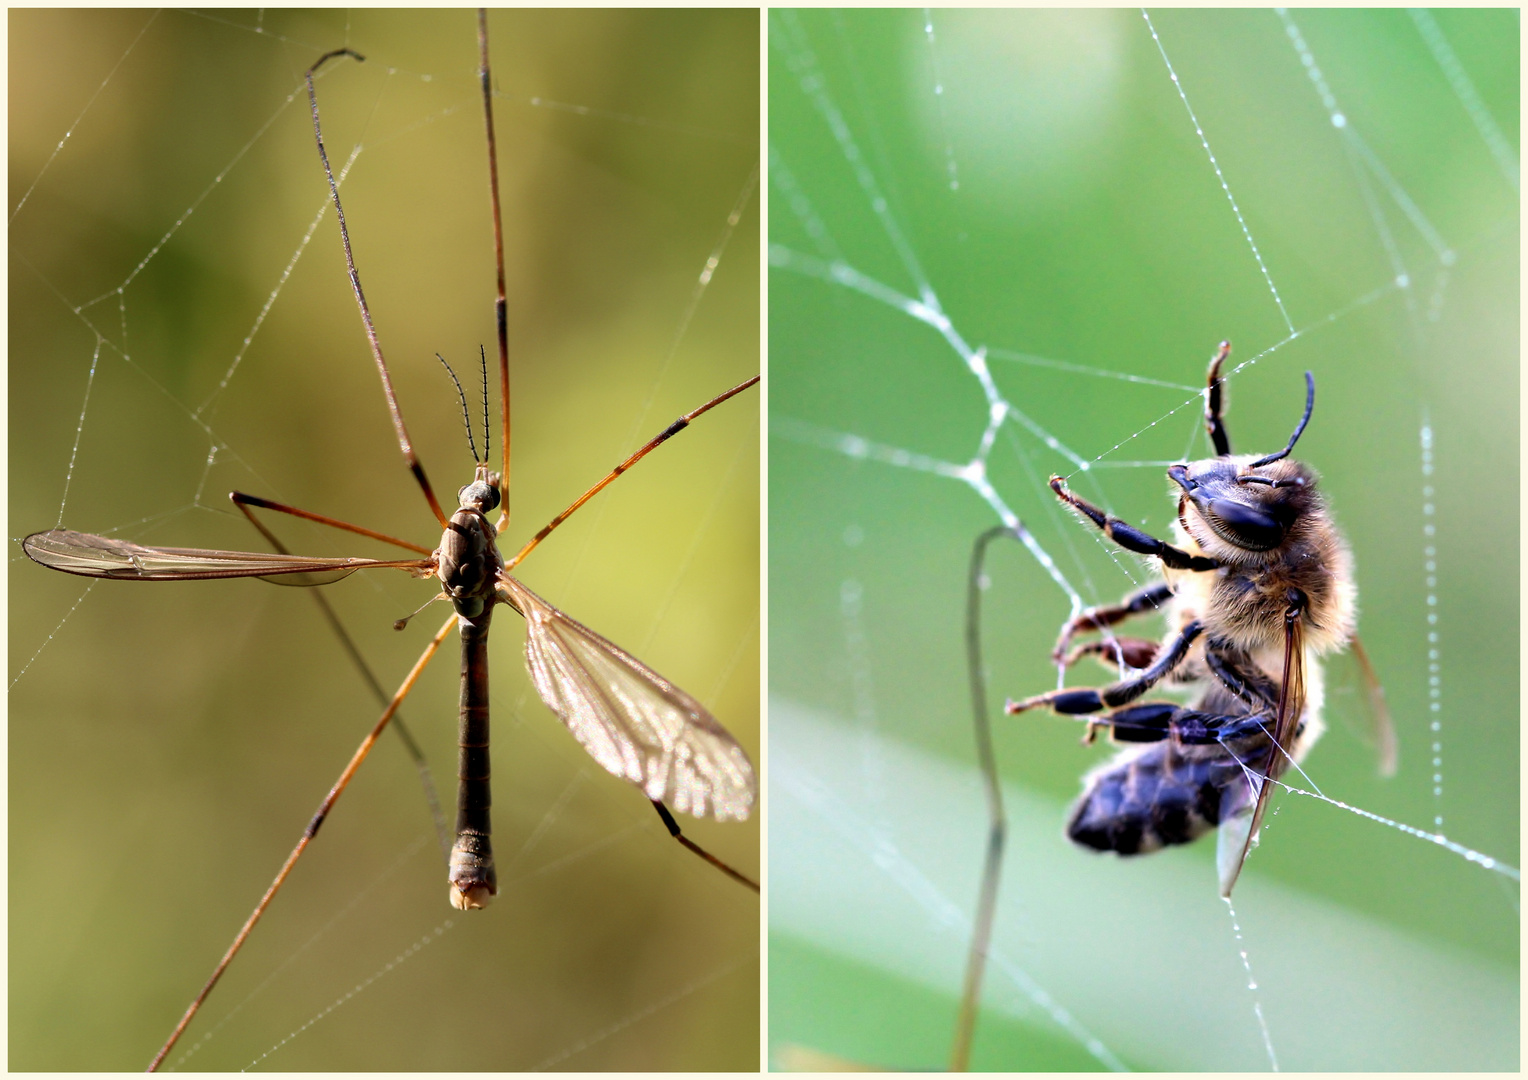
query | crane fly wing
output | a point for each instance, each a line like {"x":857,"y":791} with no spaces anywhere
{"x":633,"y":721}
{"x":104,"y":557}
{"x":1243,"y":806}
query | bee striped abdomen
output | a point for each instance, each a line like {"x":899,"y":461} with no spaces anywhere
{"x":1145,"y":800}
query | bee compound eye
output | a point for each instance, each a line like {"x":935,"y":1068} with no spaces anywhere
{"x":1246,"y":526}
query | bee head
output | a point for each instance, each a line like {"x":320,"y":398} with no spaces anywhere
{"x":1249,"y":506}
{"x":1249,"y":503}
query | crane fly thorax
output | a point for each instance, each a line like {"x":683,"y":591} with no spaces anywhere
{"x":468,"y":560}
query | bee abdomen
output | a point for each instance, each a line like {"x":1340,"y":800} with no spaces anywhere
{"x":1140,"y":805}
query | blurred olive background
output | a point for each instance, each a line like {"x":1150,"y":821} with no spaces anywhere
{"x":1088,"y":227}
{"x":168,"y":743}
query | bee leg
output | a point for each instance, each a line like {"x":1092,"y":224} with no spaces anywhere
{"x":1129,"y":537}
{"x":1153,"y":721}
{"x":1082,"y":701}
{"x":1139,"y":602}
{"x":1137,"y":653}
{"x":1213,"y":400}
{"x":1235,"y":670}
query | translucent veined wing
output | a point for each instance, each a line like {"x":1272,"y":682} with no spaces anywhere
{"x":1235,"y":839}
{"x":103,"y":557}
{"x":1381,"y":729}
{"x":633,"y":721}
{"x":1238,"y":826}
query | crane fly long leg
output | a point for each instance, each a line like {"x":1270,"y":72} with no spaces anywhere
{"x":500,"y":312}
{"x":307,"y":835}
{"x":404,"y":443}
{"x":242,"y":501}
{"x":416,"y":754}
{"x":652,"y":444}
{"x":678,"y":834}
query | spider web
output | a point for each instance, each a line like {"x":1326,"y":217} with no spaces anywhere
{"x":1005,"y":245}
{"x":175,"y":336}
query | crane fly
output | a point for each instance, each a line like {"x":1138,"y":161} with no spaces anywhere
{"x":635,"y":723}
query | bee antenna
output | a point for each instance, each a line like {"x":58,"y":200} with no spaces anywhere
{"x":1310,"y":403}
{"x":466,"y":417}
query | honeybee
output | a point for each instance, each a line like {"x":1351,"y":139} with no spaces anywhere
{"x":1256,"y":588}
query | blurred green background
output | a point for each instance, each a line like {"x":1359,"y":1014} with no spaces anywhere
{"x":168,"y":743}
{"x":1086,"y":226}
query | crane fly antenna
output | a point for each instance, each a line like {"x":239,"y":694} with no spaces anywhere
{"x":487,"y":428}
{"x":404,"y":444}
{"x":466,"y":416}
{"x":1310,"y":404}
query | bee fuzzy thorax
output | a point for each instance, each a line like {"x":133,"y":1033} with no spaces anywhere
{"x":1246,"y":600}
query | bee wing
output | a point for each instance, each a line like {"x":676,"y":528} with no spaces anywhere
{"x":104,"y":557}
{"x":1235,"y":838}
{"x":633,"y":721}
{"x":1238,"y":824}
{"x":1380,"y":726}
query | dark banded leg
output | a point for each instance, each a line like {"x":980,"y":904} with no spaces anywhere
{"x":1213,"y":401}
{"x":1128,"y":536}
{"x":500,"y":306}
{"x":415,"y":752}
{"x":243,"y":502}
{"x":1083,"y":701}
{"x":308,"y":834}
{"x":674,"y":831}
{"x":1153,"y":721}
{"x":652,"y":444}
{"x":404,"y":443}
{"x":1144,"y":600}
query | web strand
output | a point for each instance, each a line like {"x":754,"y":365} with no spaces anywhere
{"x":1205,"y":142}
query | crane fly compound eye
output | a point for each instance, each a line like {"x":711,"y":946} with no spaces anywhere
{"x":479,"y":495}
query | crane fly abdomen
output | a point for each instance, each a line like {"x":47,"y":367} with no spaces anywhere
{"x":473,"y":878}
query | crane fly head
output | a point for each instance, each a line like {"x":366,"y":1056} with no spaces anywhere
{"x":482,"y":494}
